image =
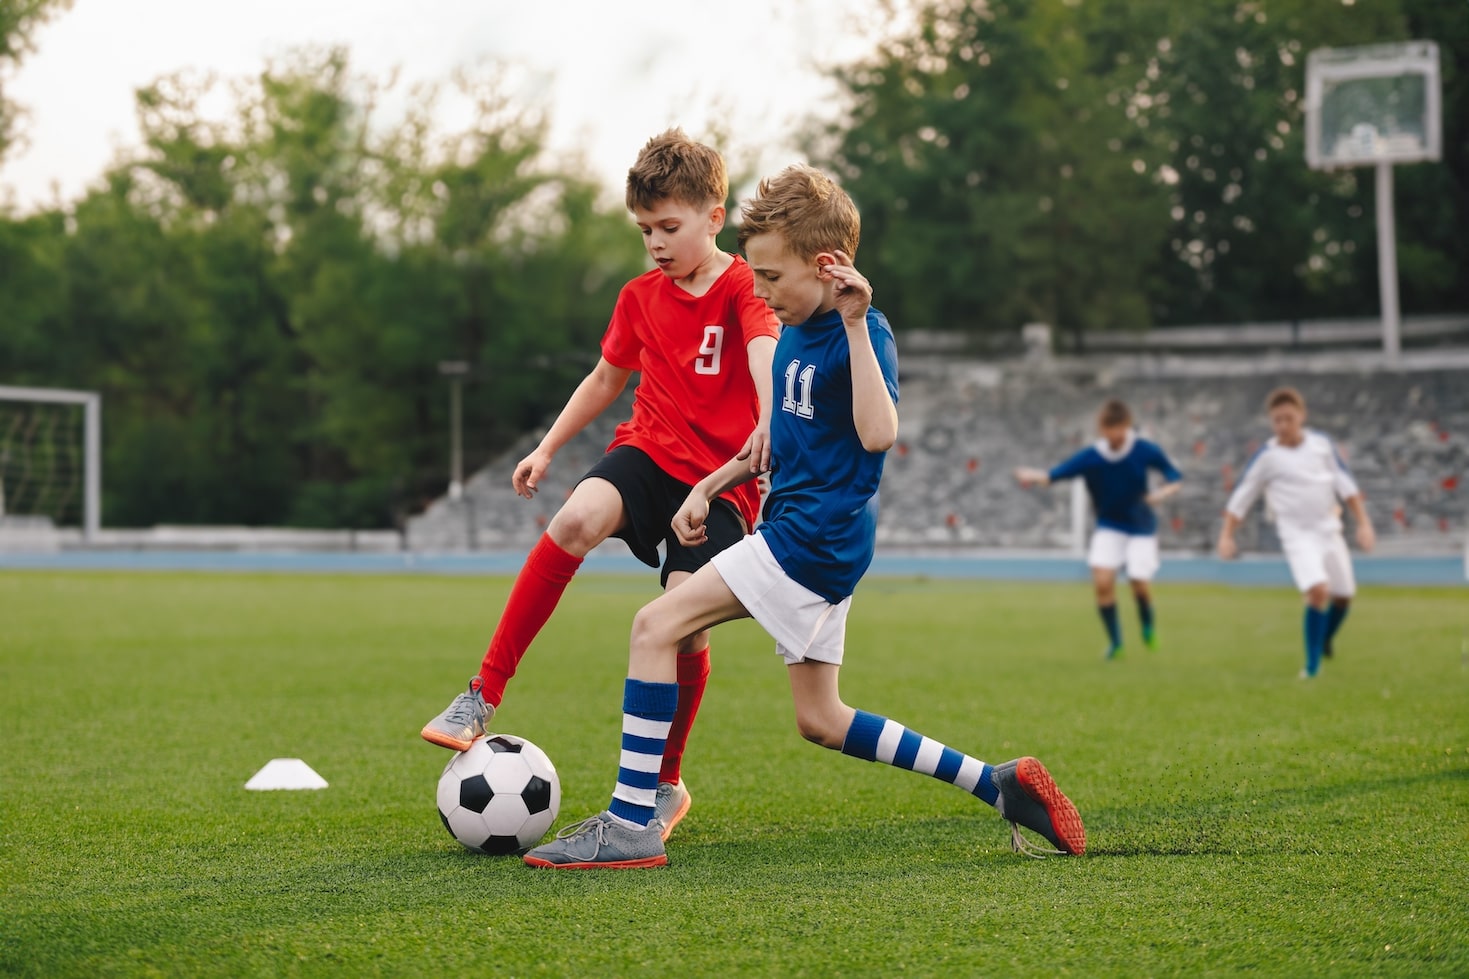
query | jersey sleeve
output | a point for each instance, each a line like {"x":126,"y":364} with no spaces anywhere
{"x":621,"y":345}
{"x":1346,"y":486}
{"x":886,"y":347}
{"x":1251,"y":485}
{"x":1077,"y":465}
{"x":1164,"y":465}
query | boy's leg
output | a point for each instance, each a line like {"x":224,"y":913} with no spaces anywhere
{"x":627,"y":833}
{"x":1307,"y":556}
{"x":590,"y":515}
{"x":1143,"y":595}
{"x":1336,"y":614}
{"x":1315,"y":628}
{"x":1106,"y":553}
{"x":1341,"y":582}
{"x":1142,"y":565}
{"x":724,"y":528}
{"x":1022,"y":790}
{"x":1104,"y":581}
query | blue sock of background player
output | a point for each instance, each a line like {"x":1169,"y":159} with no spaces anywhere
{"x":1315,"y":629}
{"x":1114,"y":631}
{"x":1335,"y":615}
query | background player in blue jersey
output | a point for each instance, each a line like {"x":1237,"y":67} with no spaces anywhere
{"x":836,"y":388}
{"x":1115,"y":470}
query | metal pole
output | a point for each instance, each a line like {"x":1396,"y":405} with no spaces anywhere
{"x":456,"y":451}
{"x":92,"y":450}
{"x":1387,"y":261}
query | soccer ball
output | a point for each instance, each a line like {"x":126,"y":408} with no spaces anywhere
{"x":500,"y":796}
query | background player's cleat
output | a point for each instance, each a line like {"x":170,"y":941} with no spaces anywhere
{"x":601,"y":843}
{"x":1150,"y":640}
{"x":1112,"y":652}
{"x":1029,"y":797}
{"x":462,"y":721}
{"x":671,"y":806}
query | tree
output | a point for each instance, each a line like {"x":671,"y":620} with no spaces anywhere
{"x":1111,"y":163}
{"x":264,"y":298}
{"x":19,"y":20}
{"x":997,"y":184}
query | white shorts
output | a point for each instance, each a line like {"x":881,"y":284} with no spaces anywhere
{"x":1111,"y":549}
{"x":1320,"y":556}
{"x":805,"y":626}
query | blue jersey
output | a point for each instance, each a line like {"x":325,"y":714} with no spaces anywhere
{"x":821,"y":514}
{"x":1118,"y":481}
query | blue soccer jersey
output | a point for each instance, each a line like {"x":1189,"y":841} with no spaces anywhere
{"x":821,"y":514}
{"x":1117,"y":481}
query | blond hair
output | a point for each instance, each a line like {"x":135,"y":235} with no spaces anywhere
{"x":671,"y":166}
{"x":805,"y":207}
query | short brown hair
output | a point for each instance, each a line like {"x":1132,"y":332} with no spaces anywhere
{"x":805,"y":207}
{"x":1284,"y":396}
{"x":671,"y":166}
{"x":1114,"y":412}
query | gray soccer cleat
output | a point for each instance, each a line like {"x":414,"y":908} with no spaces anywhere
{"x":1029,"y":797}
{"x":671,"y":806}
{"x":462,"y":721}
{"x":600,"y":843}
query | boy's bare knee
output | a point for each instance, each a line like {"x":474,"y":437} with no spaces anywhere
{"x":819,"y":730}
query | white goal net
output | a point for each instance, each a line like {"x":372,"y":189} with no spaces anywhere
{"x":50,"y":457}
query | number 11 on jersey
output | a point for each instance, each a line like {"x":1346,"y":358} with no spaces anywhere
{"x":796,"y":375}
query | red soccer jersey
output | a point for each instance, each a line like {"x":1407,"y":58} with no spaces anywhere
{"x":695,"y":403}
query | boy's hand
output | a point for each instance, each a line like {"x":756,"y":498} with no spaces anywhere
{"x":853,"y":293}
{"x":1366,"y":536}
{"x":688,"y":522}
{"x":1028,"y":477}
{"x":528,"y":473}
{"x":757,"y":450}
{"x":1227,"y":547}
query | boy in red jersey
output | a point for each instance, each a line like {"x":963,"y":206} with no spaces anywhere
{"x":702,"y":343}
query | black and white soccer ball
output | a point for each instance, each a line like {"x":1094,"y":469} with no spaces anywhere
{"x":500,"y":796}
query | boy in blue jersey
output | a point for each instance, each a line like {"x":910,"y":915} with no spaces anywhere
{"x":835,"y":375}
{"x":1115,"y":470}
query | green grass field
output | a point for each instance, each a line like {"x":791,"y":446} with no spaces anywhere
{"x":1239,"y":820}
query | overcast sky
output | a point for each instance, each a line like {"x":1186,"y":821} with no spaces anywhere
{"x":614,"y":73}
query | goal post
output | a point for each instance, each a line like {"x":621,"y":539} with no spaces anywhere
{"x":91,"y":404}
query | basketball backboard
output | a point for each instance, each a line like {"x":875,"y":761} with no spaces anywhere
{"x":1378,"y":103}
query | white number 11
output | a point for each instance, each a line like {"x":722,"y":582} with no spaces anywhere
{"x":802,"y":407}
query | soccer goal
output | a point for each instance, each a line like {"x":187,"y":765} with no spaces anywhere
{"x":51,"y":456}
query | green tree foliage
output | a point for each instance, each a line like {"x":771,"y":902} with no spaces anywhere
{"x":19,"y":20}
{"x":264,"y":299}
{"x":1113,"y":163}
{"x":975,"y":152}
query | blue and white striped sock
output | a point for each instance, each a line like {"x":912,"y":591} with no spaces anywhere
{"x":647,"y":715}
{"x":874,"y":738}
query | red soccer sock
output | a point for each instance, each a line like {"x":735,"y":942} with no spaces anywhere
{"x":548,"y":569}
{"x":693,"y":675}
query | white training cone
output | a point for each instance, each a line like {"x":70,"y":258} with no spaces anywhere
{"x":286,"y":773}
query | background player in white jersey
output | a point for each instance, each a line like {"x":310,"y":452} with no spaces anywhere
{"x":837,"y":364}
{"x":1303,"y":478}
{"x":1115,"y":470}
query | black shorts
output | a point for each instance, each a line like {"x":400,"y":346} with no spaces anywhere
{"x":650,"y":498}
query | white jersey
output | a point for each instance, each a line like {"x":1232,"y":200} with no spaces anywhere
{"x":1301,"y":484}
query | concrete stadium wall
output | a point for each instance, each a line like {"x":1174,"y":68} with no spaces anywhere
{"x":966,"y":424}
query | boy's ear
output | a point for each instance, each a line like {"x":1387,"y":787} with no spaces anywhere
{"x":717,"y":215}
{"x":823,"y":259}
